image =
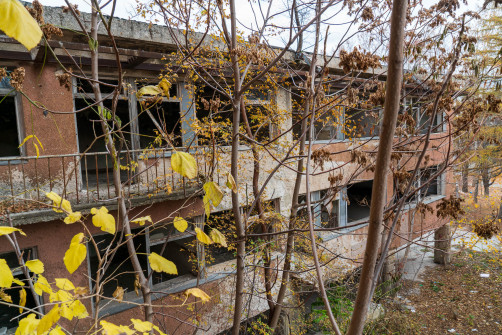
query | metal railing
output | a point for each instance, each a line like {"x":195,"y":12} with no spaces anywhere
{"x":87,"y":178}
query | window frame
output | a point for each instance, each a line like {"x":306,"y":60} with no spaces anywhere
{"x":7,"y":90}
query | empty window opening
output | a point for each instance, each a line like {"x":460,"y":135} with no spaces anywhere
{"x":181,"y":249}
{"x":167,"y":115}
{"x":329,"y":209}
{"x":223,"y":221}
{"x":9,"y":315}
{"x":9,"y":136}
{"x":97,"y":165}
{"x":359,"y":200}
{"x":120,"y":271}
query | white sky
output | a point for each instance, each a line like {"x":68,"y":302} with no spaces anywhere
{"x":127,"y":9}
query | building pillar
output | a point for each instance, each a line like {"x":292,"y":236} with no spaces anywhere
{"x":442,"y":245}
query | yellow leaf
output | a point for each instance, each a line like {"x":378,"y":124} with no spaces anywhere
{"x":180,"y":224}
{"x":202,"y":237}
{"x":76,"y":254}
{"x":16,"y":22}
{"x":160,"y":264}
{"x":213,"y":193}
{"x":149,"y":90}
{"x":196,"y":292}
{"x":59,"y":202}
{"x":42,"y":285}
{"x":35,"y":266}
{"x":231,"y":183}
{"x":64,"y":284}
{"x":5,"y":297}
{"x":218,"y":237}
{"x":142,"y":220}
{"x":7,"y":230}
{"x":79,"y":309}
{"x":17,"y":281}
{"x":81,"y":290}
{"x":73,"y":217}
{"x":22,"y":299}
{"x":207,"y":206}
{"x":164,"y":85}
{"x":28,"y":325}
{"x":36,"y":149}
{"x":102,"y":219}
{"x":60,"y":295}
{"x":111,"y":329}
{"x":184,"y":164}
{"x":48,"y":320}
{"x":158,"y":330}
{"x":142,"y":326}
{"x":6,"y":277}
{"x":118,"y":293}
{"x":57,"y":331}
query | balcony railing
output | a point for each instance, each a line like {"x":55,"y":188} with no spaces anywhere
{"x":88,"y":178}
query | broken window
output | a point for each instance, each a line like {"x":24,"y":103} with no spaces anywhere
{"x":9,"y":120}
{"x":225,"y":223}
{"x":361,"y":122}
{"x":422,"y":117}
{"x":9,"y":316}
{"x":96,"y":165}
{"x":433,"y":188}
{"x":179,"y":248}
{"x":120,"y":271}
{"x":359,"y":200}
{"x":329,"y":209}
{"x":166,"y":114}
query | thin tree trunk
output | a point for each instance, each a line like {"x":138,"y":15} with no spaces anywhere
{"x":122,"y":207}
{"x":476,"y":189}
{"x":391,"y":109}
{"x":465,"y":177}
{"x":485,"y":176}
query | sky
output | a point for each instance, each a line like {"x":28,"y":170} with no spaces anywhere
{"x":127,"y":9}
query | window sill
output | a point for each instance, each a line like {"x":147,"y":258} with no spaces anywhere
{"x":176,"y":285}
{"x":426,"y":201}
{"x":13,"y":160}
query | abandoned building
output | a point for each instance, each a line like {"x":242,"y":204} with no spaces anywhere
{"x":78,"y":168}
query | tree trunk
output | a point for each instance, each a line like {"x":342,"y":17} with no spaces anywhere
{"x":485,"y":176}
{"x":476,"y":190}
{"x":465,"y":178}
{"x":379,"y":199}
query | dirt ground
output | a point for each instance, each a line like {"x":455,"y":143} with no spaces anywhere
{"x":456,"y":299}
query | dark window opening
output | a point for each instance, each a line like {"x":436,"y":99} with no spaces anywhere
{"x":225,"y":223}
{"x":359,"y":200}
{"x":120,"y":271}
{"x":361,"y":122}
{"x":167,"y":115}
{"x":329,"y":210}
{"x":8,"y":314}
{"x":180,"y":249}
{"x":297,"y":102}
{"x":84,"y":86}
{"x":326,"y":125}
{"x":97,"y":168}
{"x":9,"y":136}
{"x":433,"y":188}
{"x":173,"y":90}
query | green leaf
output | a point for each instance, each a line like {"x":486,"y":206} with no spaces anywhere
{"x":16,"y":22}
{"x":93,"y":44}
{"x":184,"y":164}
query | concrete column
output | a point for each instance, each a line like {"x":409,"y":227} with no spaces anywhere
{"x":442,"y":245}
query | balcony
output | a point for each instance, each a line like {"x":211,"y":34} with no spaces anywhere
{"x":86,"y":180}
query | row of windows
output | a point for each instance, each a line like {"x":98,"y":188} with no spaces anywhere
{"x":175,"y":115}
